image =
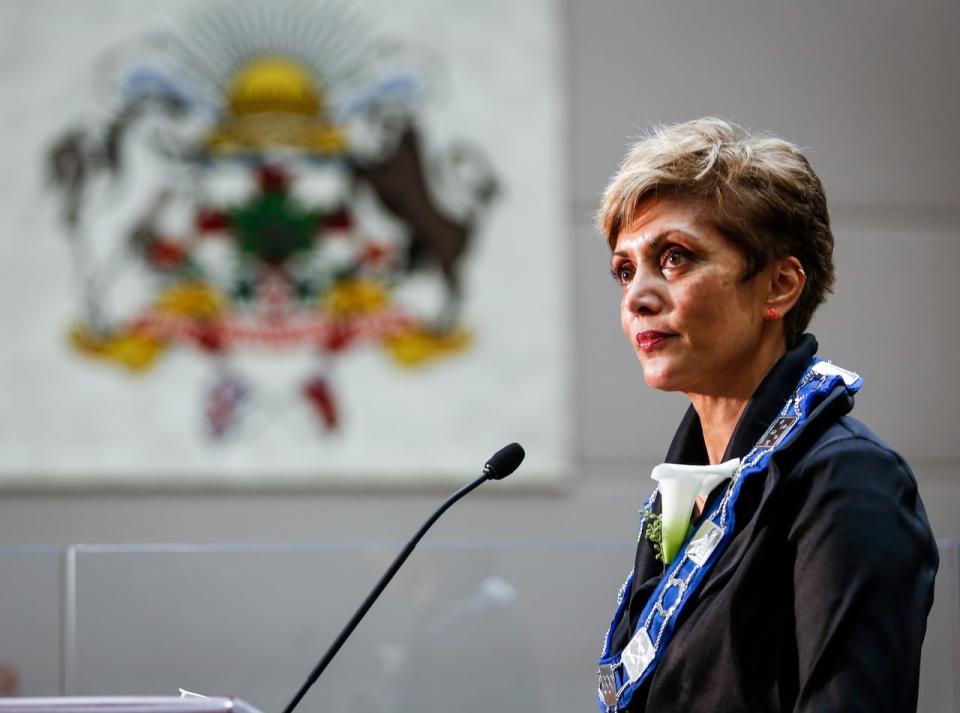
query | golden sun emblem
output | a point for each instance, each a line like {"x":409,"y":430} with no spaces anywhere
{"x":275,"y":102}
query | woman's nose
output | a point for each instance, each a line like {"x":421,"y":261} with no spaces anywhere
{"x":642,"y":296}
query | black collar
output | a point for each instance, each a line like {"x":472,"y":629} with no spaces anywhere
{"x":772,"y":393}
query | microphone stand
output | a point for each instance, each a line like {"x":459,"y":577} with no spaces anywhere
{"x":378,"y":590}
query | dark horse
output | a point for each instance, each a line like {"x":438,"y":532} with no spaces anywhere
{"x":435,"y":238}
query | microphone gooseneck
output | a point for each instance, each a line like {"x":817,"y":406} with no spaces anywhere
{"x":501,"y":464}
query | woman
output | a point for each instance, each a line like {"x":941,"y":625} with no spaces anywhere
{"x":803,"y":579}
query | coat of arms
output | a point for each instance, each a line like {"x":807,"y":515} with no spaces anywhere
{"x":260,"y":185}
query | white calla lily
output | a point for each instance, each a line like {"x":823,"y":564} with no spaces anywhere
{"x":679,"y":487}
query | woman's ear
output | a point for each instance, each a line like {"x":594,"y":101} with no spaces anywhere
{"x":787,"y":279}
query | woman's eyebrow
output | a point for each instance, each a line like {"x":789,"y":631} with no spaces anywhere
{"x":656,"y":242}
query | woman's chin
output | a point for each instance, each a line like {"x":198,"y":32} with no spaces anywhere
{"x":660,"y":378}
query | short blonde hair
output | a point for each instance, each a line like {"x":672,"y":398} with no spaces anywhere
{"x":756,"y":189}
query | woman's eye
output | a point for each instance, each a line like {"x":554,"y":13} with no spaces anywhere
{"x":674,"y":257}
{"x":622,"y":274}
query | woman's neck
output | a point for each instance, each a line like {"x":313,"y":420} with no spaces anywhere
{"x":718,"y":418}
{"x":720,"y":412}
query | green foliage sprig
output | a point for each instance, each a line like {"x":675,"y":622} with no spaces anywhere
{"x":651,"y":527}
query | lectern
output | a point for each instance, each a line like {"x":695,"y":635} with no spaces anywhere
{"x":125,"y":704}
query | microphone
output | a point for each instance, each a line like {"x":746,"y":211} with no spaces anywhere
{"x":501,"y":464}
{"x":504,"y":462}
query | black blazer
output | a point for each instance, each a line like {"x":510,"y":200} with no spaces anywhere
{"x":821,"y":599}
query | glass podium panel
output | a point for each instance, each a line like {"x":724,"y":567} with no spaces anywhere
{"x":472,"y":628}
{"x":31,"y":602}
{"x":478,"y":627}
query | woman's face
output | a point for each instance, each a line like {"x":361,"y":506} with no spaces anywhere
{"x":692,"y":320}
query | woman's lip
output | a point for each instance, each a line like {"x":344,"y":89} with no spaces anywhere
{"x":651,"y":339}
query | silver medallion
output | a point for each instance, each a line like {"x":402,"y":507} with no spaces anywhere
{"x":607,"y":685}
{"x":638,"y":655}
{"x":778,"y":429}
{"x":704,"y":543}
{"x":826,"y":368}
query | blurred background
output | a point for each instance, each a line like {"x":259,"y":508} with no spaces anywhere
{"x":506,"y":604}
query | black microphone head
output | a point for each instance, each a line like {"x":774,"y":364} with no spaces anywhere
{"x":504,"y":462}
